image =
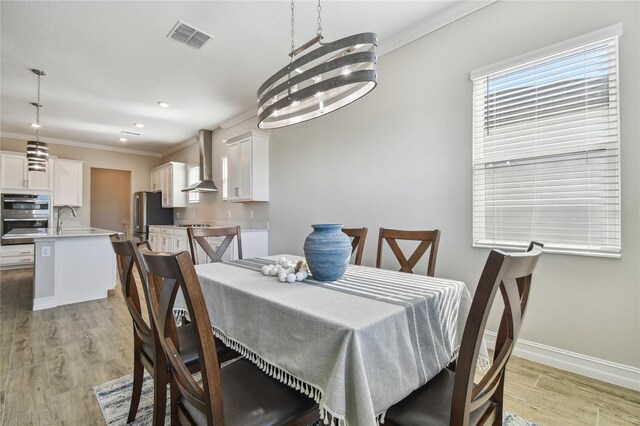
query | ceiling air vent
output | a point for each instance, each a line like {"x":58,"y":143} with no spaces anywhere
{"x":189,"y":35}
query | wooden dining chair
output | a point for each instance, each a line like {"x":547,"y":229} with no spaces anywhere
{"x":239,"y":393}
{"x":144,"y":354}
{"x":198,"y":237}
{"x":452,"y":398}
{"x":359,"y":236}
{"x":427,"y":239}
{"x":147,"y":352}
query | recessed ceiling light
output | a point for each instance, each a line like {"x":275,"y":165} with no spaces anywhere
{"x":163,"y":104}
{"x":123,"y":139}
{"x":36,"y":125}
{"x":140,"y":125}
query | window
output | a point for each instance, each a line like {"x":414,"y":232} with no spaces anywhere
{"x":193,"y":175}
{"x":546,"y":161}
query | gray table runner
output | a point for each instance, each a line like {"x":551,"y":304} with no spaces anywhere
{"x":357,"y":345}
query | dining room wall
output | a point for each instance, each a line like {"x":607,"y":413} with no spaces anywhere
{"x":401,"y":158}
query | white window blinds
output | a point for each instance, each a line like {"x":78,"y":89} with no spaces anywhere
{"x":546,"y":161}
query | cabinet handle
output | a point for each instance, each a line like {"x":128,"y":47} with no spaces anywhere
{"x":25,"y":252}
{"x":237,"y":191}
{"x":25,"y":260}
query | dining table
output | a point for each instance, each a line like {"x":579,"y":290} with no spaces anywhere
{"x":357,"y":345}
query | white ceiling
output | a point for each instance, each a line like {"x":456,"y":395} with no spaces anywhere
{"x":108,"y":63}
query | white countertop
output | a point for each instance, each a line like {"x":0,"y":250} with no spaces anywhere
{"x":52,"y":234}
{"x":244,"y":227}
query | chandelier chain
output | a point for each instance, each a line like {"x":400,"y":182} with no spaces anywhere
{"x":319,"y":32}
{"x":293,"y":21}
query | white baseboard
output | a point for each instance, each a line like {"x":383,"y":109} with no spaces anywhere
{"x":600,"y":369}
{"x":44,"y":303}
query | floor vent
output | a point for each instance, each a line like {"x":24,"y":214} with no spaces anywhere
{"x":189,"y":35}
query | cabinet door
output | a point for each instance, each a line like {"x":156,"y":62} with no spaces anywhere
{"x":244,"y":169}
{"x":40,"y":180}
{"x":166,"y":243}
{"x":180,"y":244}
{"x":153,"y":241}
{"x":233,"y":162}
{"x":67,"y":183}
{"x":12,"y":171}
{"x":156,"y":180}
{"x":165,"y":177}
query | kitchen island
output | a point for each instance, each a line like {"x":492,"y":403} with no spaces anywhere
{"x":71,"y":266}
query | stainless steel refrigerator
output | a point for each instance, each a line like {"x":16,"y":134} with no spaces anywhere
{"x":148,"y":210}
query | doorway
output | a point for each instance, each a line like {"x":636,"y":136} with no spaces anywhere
{"x":110,"y":198}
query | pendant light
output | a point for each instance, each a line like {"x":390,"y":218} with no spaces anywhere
{"x":319,"y":82}
{"x":37,"y":152}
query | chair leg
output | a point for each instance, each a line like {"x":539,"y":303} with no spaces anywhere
{"x":175,"y":395}
{"x":138,"y":375}
{"x":159,"y":396}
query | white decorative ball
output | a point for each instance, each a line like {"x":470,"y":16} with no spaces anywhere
{"x":266,"y":269}
{"x":300,"y":276}
{"x":282,"y":273}
{"x":291,"y":278}
{"x":273,"y":271}
{"x":282,"y":261}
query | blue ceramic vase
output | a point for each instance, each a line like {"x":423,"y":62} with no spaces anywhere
{"x":327,"y":250}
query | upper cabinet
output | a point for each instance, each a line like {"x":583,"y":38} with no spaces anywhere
{"x":15,"y":174}
{"x":67,"y":182}
{"x":170,"y":179}
{"x":248,"y":167}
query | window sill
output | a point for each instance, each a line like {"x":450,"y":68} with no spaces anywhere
{"x":547,"y":249}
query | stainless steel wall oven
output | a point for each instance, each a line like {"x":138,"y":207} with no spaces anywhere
{"x":30,"y":212}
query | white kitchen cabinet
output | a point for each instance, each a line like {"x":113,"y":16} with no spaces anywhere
{"x":248,"y":167}
{"x":154,"y":241}
{"x":170,"y":179}
{"x":180,"y":240}
{"x":16,"y":256}
{"x":15,"y":174}
{"x":67,"y":182}
{"x":156,"y":180}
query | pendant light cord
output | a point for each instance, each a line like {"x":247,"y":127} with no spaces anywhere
{"x":38,"y":111}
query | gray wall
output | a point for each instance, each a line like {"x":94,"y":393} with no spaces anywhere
{"x":401,"y":157}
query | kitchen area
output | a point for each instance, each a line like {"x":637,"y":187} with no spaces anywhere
{"x":44,"y":228}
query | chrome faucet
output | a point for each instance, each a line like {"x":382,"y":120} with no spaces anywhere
{"x":59,"y":225}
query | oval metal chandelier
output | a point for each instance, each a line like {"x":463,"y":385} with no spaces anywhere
{"x":319,"y":82}
{"x":37,"y":152}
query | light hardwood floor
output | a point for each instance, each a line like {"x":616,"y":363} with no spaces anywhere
{"x":50,"y":360}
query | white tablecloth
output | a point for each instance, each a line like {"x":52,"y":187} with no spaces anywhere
{"x":357,"y":345}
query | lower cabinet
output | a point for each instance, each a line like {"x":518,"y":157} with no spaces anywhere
{"x":174,"y":239}
{"x":16,"y":256}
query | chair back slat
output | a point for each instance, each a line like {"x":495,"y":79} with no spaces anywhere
{"x":359,"y":236}
{"x":198,"y":237}
{"x":511,"y":274}
{"x":170,"y":272}
{"x":428,"y":239}
{"x":125,"y":264}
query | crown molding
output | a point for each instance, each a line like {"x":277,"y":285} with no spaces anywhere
{"x":180,"y":146}
{"x":79,"y":144}
{"x":239,"y":118}
{"x":406,"y":36}
{"x":451,"y":14}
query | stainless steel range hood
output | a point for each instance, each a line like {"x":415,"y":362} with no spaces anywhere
{"x":205,"y":146}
